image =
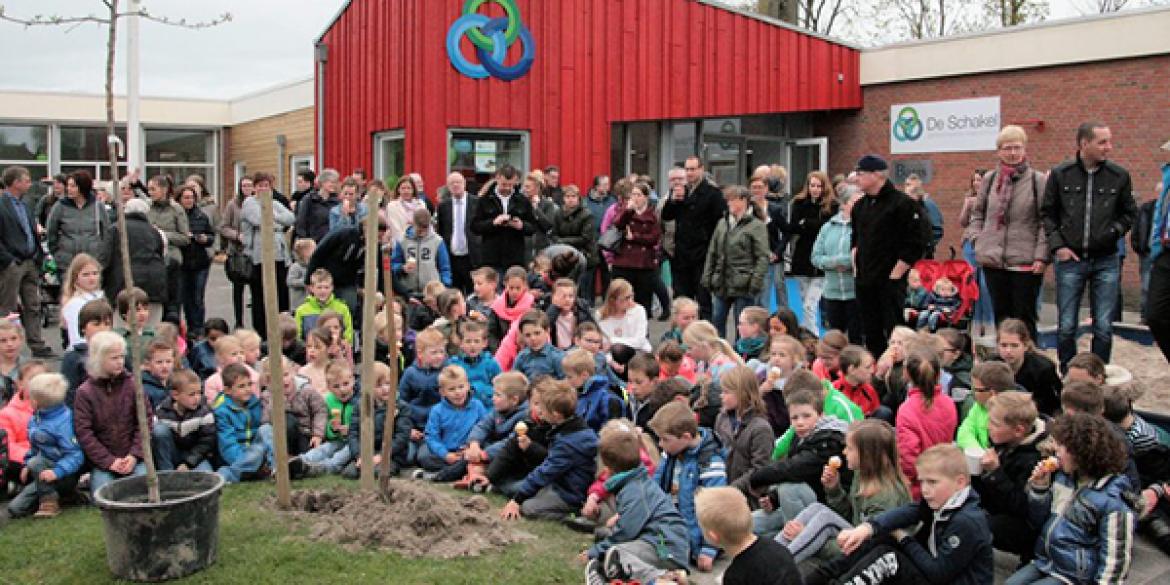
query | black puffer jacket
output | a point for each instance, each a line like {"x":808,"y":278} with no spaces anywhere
{"x":575,"y":228}
{"x":1088,"y":223}
{"x":313,"y":215}
{"x":147,"y":262}
{"x":881,"y":235}
{"x":807,"y":459}
{"x":804,"y":223}
{"x":195,"y":255}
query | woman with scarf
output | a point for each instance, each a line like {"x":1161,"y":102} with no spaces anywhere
{"x":1009,"y":239}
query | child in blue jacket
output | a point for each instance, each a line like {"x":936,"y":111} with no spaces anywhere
{"x":54,"y":458}
{"x":449,"y":424}
{"x":1084,"y":504}
{"x":596,"y":404}
{"x":539,"y":356}
{"x":479,"y":364}
{"x":245,"y":445}
{"x":692,"y":461}
{"x":557,"y":486}
{"x":648,"y":525}
{"x":419,"y":385}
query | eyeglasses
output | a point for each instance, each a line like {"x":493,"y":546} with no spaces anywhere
{"x":978,"y":388}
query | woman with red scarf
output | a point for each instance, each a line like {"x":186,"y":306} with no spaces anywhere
{"x":1010,"y":244}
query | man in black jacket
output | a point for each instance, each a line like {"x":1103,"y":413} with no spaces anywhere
{"x":883,"y":250}
{"x":20,"y":256}
{"x":1088,"y":206}
{"x":695,"y":213}
{"x":456,"y":211}
{"x":343,"y":253}
{"x":313,"y":209}
{"x":503,"y":218}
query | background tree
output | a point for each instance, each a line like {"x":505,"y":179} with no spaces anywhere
{"x":1014,"y":12}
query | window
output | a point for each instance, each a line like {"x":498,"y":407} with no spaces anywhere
{"x":298,"y":163}
{"x":389,"y":157}
{"x":84,"y":148}
{"x":478,"y":154}
{"x":180,"y":154}
{"x":27,"y":146}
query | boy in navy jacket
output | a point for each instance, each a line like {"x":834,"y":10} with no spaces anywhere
{"x":648,"y":525}
{"x":54,"y":458}
{"x":488,"y":438}
{"x":184,"y":435}
{"x":419,"y":385}
{"x":448,"y":426}
{"x":557,"y":487}
{"x":595,"y":403}
{"x":953,"y":542}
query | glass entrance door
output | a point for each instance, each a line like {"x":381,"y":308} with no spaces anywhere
{"x":724,"y":155}
{"x":805,"y":156}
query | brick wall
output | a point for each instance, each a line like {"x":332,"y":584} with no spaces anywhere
{"x":254,"y":144}
{"x":1132,"y":96}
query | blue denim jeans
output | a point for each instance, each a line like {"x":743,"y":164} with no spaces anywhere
{"x":167,"y":455}
{"x":100,"y":477}
{"x":724,"y":305}
{"x":1102,"y":275}
{"x":254,"y":457}
{"x":1147,"y":264}
{"x":29,"y":498}
{"x":332,"y":455}
{"x":773,"y":284}
{"x":192,"y":289}
{"x":792,"y":498}
{"x":1030,"y":575}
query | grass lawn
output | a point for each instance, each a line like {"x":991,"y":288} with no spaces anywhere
{"x":256,"y":545}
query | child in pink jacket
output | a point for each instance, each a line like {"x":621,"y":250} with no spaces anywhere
{"x":927,"y":417}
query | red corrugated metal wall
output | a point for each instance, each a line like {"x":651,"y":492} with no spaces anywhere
{"x":597,"y":62}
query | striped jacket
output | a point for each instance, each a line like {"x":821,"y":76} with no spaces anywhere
{"x":1087,"y":534}
{"x":701,"y":467}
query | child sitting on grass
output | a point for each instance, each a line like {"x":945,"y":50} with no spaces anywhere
{"x":399,"y":440}
{"x":250,"y":344}
{"x":104,"y":413}
{"x":741,"y":427}
{"x":320,"y":300}
{"x":14,"y":419}
{"x":539,"y":357}
{"x":557,"y":487}
{"x":228,"y":351}
{"x":419,"y":385}
{"x":316,"y":360}
{"x":988,"y":379}
{"x":595,"y":403}
{"x":856,"y":381}
{"x":485,"y":283}
{"x":95,"y":317}
{"x":786,"y":355}
{"x":1016,"y":432}
{"x":684,"y":311}
{"x":245,"y":445}
{"x":642,"y":372}
{"x":479,"y":364}
{"x":788,"y":485}
{"x":184,"y":435}
{"x":134,"y":310}
{"x":952,"y":545}
{"x":156,"y":371}
{"x":488,"y":438}
{"x":333,"y":454}
{"x":523,"y":451}
{"x":673,"y":361}
{"x":692,"y":462}
{"x":647,"y":526}
{"x":927,"y":418}
{"x":305,"y":413}
{"x":449,"y":424}
{"x":54,"y":458}
{"x":1083,"y":507}
{"x":202,"y":355}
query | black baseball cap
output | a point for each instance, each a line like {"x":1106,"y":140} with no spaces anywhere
{"x":872,"y":163}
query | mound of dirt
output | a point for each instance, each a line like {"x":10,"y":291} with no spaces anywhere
{"x":412,"y":519}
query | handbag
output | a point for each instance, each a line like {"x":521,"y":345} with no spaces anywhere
{"x":611,"y":240}
{"x":238,"y":267}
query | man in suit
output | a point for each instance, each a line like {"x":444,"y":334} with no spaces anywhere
{"x":456,"y":211}
{"x":20,"y":255}
{"x":503,"y":218}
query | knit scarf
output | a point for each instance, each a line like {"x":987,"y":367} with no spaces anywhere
{"x":1003,"y":188}
{"x":750,"y":347}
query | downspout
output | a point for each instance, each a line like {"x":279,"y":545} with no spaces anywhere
{"x":321,"y":56}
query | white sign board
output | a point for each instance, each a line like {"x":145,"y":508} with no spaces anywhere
{"x":948,"y":126}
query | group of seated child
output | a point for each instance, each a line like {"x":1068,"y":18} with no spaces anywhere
{"x":800,"y":458}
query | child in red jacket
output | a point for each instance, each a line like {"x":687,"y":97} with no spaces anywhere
{"x":856,"y":382}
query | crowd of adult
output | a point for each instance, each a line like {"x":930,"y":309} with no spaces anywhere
{"x":847,"y":243}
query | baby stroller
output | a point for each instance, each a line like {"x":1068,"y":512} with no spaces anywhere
{"x":962,"y":275}
{"x":50,"y":288}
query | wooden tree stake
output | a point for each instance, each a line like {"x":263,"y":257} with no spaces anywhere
{"x":275,"y":361}
{"x":392,"y":401}
{"x":370,"y":292}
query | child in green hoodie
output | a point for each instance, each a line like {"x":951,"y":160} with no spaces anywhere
{"x":987,"y":380}
{"x":320,"y":300}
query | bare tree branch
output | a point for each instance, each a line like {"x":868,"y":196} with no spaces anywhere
{"x":58,"y":20}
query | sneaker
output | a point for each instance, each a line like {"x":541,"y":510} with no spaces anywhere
{"x":593,"y":574}
{"x":419,"y":473}
{"x":49,"y":508}
{"x":43,"y":353}
{"x":297,"y":469}
{"x":482,"y":487}
{"x":582,"y":524}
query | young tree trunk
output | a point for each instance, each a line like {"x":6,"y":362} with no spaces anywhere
{"x":136,"y":350}
{"x":392,"y":401}
{"x":369,"y":292}
{"x":275,"y":361}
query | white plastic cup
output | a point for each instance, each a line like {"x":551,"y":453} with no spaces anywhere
{"x":974,"y":460}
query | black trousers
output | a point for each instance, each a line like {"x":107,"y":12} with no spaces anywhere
{"x":1013,"y":295}
{"x":881,"y":310}
{"x":1013,"y":534}
{"x":259,"y":321}
{"x":880,"y":560}
{"x":461,"y":273}
{"x":843,"y":316}
{"x":642,"y":279}
{"x":686,"y":276}
{"x":1158,"y":303}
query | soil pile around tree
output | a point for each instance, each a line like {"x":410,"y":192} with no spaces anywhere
{"x":413,"y":519}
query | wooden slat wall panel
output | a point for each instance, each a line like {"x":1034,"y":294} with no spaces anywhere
{"x":598,"y":62}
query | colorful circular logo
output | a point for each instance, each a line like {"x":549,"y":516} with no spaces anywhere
{"x":491,"y":38}
{"x":908,"y":126}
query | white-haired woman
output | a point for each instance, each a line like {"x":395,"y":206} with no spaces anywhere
{"x":104,"y":415}
{"x":1010,"y":243}
{"x":147,"y":250}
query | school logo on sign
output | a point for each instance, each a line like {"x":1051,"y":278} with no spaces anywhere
{"x":491,"y":37}
{"x":907,"y":126}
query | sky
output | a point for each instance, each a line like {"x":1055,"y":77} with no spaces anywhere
{"x":267,"y":43}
